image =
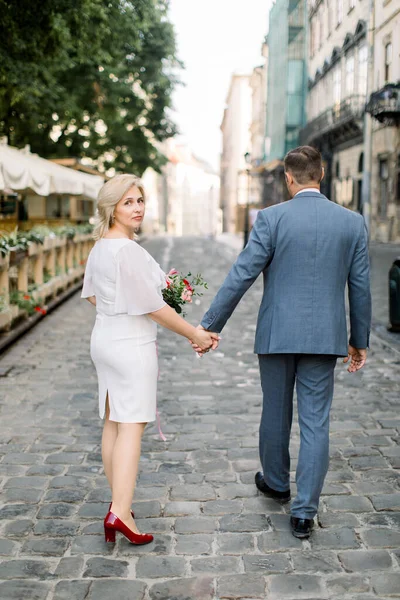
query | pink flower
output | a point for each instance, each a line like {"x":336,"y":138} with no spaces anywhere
{"x":173,"y":272}
{"x":186,"y":296}
{"x":187,"y":284}
{"x":168,"y":282}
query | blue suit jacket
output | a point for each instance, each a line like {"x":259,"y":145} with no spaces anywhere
{"x":307,"y":249}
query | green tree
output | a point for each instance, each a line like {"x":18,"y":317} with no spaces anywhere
{"x":91,"y":79}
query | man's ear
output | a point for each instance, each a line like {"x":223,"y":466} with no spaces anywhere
{"x":322,"y":174}
{"x":289,"y":179}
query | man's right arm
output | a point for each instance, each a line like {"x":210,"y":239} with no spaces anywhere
{"x":360,"y":293}
{"x":247,"y":267}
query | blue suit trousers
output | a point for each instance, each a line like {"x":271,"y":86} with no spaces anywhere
{"x":313,"y":376}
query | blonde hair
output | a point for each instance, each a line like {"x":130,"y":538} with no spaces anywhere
{"x":109,"y":196}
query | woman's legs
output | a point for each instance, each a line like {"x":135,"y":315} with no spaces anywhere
{"x":124,"y":468}
{"x":110,"y":432}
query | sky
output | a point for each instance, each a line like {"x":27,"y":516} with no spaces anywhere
{"x":215,"y":39}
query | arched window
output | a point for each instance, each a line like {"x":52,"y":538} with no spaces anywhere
{"x":361,"y":163}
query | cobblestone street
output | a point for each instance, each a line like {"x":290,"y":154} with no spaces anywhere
{"x":216,"y":536}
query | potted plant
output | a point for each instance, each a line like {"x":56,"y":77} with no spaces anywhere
{"x":26,"y":302}
{"x":5,"y":313}
{"x":36,"y":240}
{"x":4,"y":253}
{"x":18,"y":243}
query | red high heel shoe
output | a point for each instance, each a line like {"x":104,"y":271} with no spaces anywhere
{"x":112,"y":524}
{"x":132,"y":513}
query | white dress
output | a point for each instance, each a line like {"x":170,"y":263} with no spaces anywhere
{"x":127,"y":283}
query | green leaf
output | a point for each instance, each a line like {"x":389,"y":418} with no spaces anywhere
{"x":88,"y":79}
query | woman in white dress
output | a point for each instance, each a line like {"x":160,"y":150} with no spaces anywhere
{"x":124,"y":283}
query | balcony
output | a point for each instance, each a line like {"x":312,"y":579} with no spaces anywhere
{"x":384,"y":105}
{"x":340,"y":123}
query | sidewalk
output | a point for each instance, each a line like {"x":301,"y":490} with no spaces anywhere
{"x":216,"y":537}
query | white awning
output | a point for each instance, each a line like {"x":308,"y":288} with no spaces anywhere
{"x":21,"y":170}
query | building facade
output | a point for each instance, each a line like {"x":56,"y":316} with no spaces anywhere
{"x":257,"y":150}
{"x":384,"y":108}
{"x":338,"y":69}
{"x":344,"y":65}
{"x":258,"y":84}
{"x":287,"y":91}
{"x":236,"y":128}
{"x":287,"y":76}
{"x":184,"y":198}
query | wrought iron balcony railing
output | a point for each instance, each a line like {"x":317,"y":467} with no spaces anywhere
{"x":384,"y":105}
{"x":341,"y":121}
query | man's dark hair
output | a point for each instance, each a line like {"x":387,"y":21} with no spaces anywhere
{"x":305,"y":164}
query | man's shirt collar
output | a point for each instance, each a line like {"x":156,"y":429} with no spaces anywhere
{"x":307,"y":190}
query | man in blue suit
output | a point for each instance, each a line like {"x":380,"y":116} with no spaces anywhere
{"x":308,"y":249}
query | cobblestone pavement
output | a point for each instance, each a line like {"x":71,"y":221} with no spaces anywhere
{"x":216,"y":537}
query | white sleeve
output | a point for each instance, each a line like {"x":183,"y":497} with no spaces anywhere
{"x":139,"y":282}
{"x":88,"y":287}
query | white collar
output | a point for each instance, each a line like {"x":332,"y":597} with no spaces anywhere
{"x":307,"y":190}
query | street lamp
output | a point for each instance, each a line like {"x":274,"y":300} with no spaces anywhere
{"x":247,"y":158}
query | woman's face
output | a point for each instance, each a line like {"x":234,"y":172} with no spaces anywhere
{"x":129,"y":211}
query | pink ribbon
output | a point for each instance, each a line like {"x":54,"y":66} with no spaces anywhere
{"x":162,"y":436}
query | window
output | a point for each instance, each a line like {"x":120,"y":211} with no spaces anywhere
{"x":321,"y":25}
{"x":329,"y":17}
{"x":384,"y":177}
{"x":317,"y":34}
{"x":8,"y":203}
{"x":398,"y":179}
{"x":361,"y":163}
{"x":57,"y":206}
{"x":388,"y":61}
{"x":312,"y":37}
{"x":317,"y":97}
{"x":339,"y":11}
{"x":349,"y":75}
{"x":362,"y":70}
{"x":337,"y":91}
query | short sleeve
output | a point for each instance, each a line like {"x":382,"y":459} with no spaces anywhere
{"x":139,"y":282}
{"x":88,"y":287}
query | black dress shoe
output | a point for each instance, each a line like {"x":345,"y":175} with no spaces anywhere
{"x":281,"y":497}
{"x":301,"y":528}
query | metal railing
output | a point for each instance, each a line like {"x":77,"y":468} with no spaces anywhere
{"x":351,"y":108}
{"x":384,"y":105}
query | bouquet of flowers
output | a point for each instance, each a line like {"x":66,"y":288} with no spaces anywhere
{"x":181,"y":290}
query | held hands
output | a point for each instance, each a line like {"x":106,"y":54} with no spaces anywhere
{"x":358,"y":358}
{"x":204,"y":340}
